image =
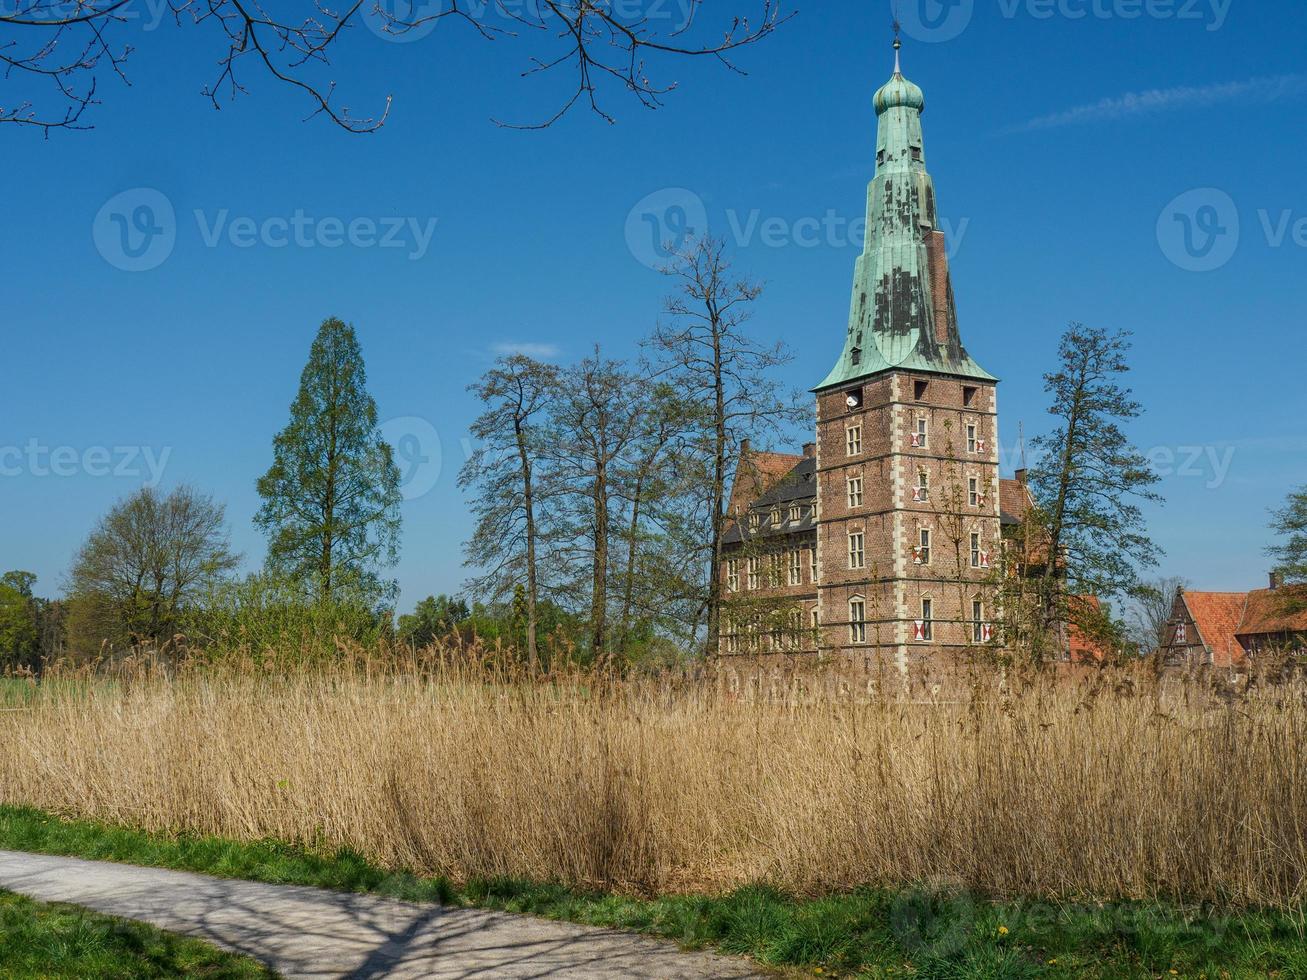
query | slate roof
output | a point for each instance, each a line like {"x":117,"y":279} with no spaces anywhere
{"x":756,"y":473}
{"x":797,"y":484}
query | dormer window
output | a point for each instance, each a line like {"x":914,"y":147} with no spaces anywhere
{"x":754,"y":521}
{"x":916,"y":153}
{"x":855,"y":356}
{"x":776,"y":517}
{"x":880,"y":156}
{"x":796,"y":513}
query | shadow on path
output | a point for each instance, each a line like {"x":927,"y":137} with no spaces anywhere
{"x":312,"y":932}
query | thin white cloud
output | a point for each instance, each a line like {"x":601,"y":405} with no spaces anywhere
{"x":1151,"y":101}
{"x":542,"y":352}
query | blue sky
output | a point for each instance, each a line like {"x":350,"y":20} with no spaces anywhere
{"x":1133,"y":164}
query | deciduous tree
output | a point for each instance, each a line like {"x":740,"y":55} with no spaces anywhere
{"x":55,"y":54}
{"x":1090,"y":480}
{"x":1290,"y":523}
{"x":725,"y":378}
{"x":20,"y":636}
{"x":501,"y":474}
{"x":145,"y":562}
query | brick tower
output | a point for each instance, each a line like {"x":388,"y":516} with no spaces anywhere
{"x":907,"y":488}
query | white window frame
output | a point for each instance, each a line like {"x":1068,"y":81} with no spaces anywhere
{"x":927,"y":618}
{"x":855,"y":491}
{"x":853,"y":440}
{"x":733,"y":574}
{"x":774,"y":570}
{"x":977,"y":620}
{"x":857,"y":619}
{"x":796,"y":566}
{"x":921,"y":553}
{"x":973,"y":491}
{"x":921,"y":433}
{"x":976,"y":549}
{"x":971,"y":437}
{"x":921,"y":492}
{"x":753,"y":567}
{"x":796,"y":513}
{"x":812,"y":552}
{"x":857,"y":549}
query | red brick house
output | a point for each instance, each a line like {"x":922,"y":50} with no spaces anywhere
{"x":1228,"y":629}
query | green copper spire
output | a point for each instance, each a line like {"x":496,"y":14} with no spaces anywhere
{"x":902,"y":314}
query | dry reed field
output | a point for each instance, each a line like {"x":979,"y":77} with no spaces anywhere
{"x":1109,"y":786}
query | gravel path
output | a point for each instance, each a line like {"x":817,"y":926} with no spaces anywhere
{"x":311,"y":932}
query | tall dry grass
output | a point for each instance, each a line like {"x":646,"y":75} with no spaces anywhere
{"x":1109,"y":786}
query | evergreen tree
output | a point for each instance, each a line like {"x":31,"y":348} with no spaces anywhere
{"x":1090,"y":480}
{"x":331,"y":497}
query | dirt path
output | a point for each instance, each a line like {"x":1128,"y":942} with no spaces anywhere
{"x":311,"y":932}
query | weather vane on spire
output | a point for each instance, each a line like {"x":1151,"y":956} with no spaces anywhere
{"x":898,"y":43}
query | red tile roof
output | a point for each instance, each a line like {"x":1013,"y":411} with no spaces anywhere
{"x":1217,"y":616}
{"x":1265,"y":612}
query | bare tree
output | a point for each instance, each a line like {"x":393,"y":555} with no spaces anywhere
{"x":598,"y":419}
{"x":1150,"y":612}
{"x":505,"y":547}
{"x":723,"y":377}
{"x":54,"y":52}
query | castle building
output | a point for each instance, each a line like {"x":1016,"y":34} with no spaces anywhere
{"x":880,"y":542}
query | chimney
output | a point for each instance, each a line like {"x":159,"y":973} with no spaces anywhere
{"x":1275,"y":580}
{"x":744,"y":447}
{"x":1021,"y":476}
{"x":809,"y":449}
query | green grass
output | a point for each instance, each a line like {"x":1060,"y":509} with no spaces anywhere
{"x":919,"y":932}
{"x":39,"y":940}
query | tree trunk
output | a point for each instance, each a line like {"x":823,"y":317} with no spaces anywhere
{"x":599,"y":589}
{"x":528,"y":500}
